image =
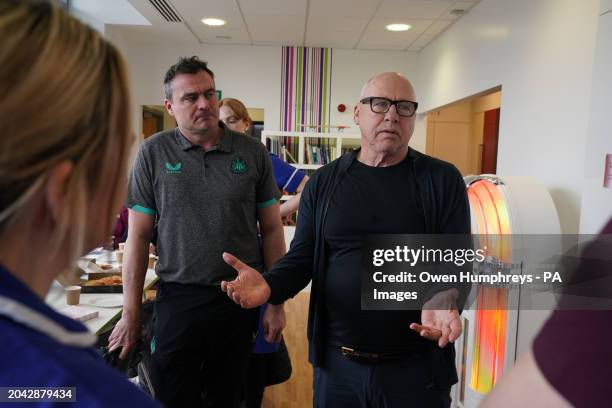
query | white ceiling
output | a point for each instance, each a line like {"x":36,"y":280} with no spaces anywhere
{"x":350,"y":24}
{"x":109,"y":11}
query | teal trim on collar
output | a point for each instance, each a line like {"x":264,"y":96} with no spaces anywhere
{"x":143,"y":210}
{"x":265,"y":204}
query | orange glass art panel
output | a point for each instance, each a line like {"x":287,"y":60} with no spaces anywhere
{"x":491,"y":221}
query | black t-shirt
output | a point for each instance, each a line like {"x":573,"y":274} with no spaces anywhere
{"x":368,"y":200}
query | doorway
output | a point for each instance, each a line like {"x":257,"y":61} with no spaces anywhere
{"x":488,"y":147}
{"x":465,"y":133}
{"x":257,"y":116}
{"x":155,"y":118}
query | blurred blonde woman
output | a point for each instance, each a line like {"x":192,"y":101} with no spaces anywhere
{"x":64,"y":144}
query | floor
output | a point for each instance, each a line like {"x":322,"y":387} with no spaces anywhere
{"x":297,"y":391}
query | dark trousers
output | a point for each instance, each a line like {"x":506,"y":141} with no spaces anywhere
{"x":256,"y":381}
{"x":345,"y":383}
{"x":200,"y":347}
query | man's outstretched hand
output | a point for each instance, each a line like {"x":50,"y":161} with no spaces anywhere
{"x":443,"y":324}
{"x":249,"y":289}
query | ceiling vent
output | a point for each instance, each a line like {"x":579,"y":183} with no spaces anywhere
{"x":165,"y":10}
{"x":458,"y":12}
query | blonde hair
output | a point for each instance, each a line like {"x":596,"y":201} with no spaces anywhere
{"x":239,"y":109}
{"x":64,"y":98}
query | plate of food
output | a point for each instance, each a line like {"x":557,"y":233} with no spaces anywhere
{"x":108,"y":301}
{"x":108,"y":284}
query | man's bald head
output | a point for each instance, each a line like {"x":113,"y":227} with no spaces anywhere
{"x":386,"y":81}
{"x":384,"y":135}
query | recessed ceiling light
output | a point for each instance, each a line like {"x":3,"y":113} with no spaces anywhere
{"x":398,"y":27}
{"x":213,"y":21}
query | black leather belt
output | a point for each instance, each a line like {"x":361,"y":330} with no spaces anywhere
{"x":365,"y":357}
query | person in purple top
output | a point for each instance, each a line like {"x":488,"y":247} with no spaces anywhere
{"x":120,"y":229}
{"x":570,"y":363}
{"x":64,"y":146}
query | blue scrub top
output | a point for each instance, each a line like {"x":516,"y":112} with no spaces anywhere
{"x":287,"y":177}
{"x":40,"y":347}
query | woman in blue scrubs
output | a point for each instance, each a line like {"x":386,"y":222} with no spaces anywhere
{"x":64,"y":145}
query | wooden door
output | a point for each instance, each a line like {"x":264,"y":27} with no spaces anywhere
{"x":489,"y":141}
{"x":150,"y":125}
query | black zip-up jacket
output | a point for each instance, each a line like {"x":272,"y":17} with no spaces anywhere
{"x":444,"y":204}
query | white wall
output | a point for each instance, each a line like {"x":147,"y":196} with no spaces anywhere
{"x":352,"y":68}
{"x":253,"y":75}
{"x":597,"y":200}
{"x":541,"y":53}
{"x":419,"y":137}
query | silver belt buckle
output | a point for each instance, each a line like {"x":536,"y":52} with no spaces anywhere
{"x":347,"y":351}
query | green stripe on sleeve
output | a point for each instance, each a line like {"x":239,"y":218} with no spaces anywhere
{"x":143,"y":210}
{"x":265,"y":204}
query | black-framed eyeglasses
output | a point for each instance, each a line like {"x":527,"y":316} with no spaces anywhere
{"x":382,"y":105}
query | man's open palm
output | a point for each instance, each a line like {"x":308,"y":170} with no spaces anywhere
{"x":441,"y":325}
{"x":440,"y":320}
{"x":249,"y":289}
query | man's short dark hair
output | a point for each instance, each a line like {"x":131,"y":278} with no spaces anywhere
{"x":185,"y":65}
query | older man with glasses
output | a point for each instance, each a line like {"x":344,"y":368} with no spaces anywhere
{"x":366,"y":358}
